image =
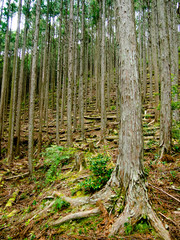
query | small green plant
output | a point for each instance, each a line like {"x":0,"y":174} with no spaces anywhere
{"x":23,"y":196}
{"x":173,"y":174}
{"x":100,"y":174}
{"x":113,"y":108}
{"x":142,"y":227}
{"x":146,"y":170}
{"x":128,"y":228}
{"x":60,"y":204}
{"x":32,"y":236}
{"x":55,"y":158}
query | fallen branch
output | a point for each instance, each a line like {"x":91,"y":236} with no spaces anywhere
{"x":42,"y":211}
{"x":167,"y":218}
{"x":75,"y":216}
{"x":164,"y":192}
{"x":18,"y":176}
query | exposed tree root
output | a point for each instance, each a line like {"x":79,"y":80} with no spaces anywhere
{"x":137,"y":207}
{"x":75,"y":216}
{"x":73,"y":201}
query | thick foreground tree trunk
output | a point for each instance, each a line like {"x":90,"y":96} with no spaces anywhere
{"x":128,"y":173}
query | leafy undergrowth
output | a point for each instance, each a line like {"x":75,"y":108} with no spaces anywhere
{"x":28,"y":206}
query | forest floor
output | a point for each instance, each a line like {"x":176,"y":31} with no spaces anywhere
{"x":29,"y":207}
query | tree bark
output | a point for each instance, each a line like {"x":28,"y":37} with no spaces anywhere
{"x":128,"y":174}
{"x":103,"y":67}
{"x":81,"y":86}
{"x":58,"y":76}
{"x":154,"y":58}
{"x":44,"y":79}
{"x":75,"y":68}
{"x":33,"y":87}
{"x":70,"y":77}
{"x":14,"y":88}
{"x":20,"y":87}
{"x":5,"y":76}
{"x":165,"y":112}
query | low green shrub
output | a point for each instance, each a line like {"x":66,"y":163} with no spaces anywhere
{"x":55,"y":158}
{"x":60,"y":204}
{"x":100,"y":174}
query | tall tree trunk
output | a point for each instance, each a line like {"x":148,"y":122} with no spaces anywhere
{"x":5,"y":76}
{"x":173,"y":42}
{"x":44,"y":79}
{"x":46,"y":96}
{"x":91,"y":67}
{"x":14,"y":88}
{"x":86,"y":75}
{"x":97,"y":65}
{"x":65,"y":65}
{"x":53,"y":70}
{"x":75,"y":68}
{"x":81,"y":80}
{"x":165,"y":112}
{"x":154,"y":58}
{"x":150,"y":53}
{"x":20,"y":87}
{"x":33,"y":87}
{"x":58,"y":76}
{"x":103,"y":68}
{"x":144,"y":58}
{"x":70,"y":77}
{"x":128,"y":173}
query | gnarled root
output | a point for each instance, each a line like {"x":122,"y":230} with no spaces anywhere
{"x":75,"y":216}
{"x":137,"y":206}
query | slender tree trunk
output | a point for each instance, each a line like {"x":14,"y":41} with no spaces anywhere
{"x":20,"y":87}
{"x":86,"y":75}
{"x":75,"y":68}
{"x":91,"y":67}
{"x":108,"y":74}
{"x":103,"y":67}
{"x":4,"y":77}
{"x":64,"y":83}
{"x":165,"y":113}
{"x":140,"y":48}
{"x":97,"y":65}
{"x":53,"y":70}
{"x":154,"y":59}
{"x":58,"y":76}
{"x":150,"y":54}
{"x":144,"y":58}
{"x":46,"y":97}
{"x":173,"y":41}
{"x":70,"y":77}
{"x":81,"y":87}
{"x":33,"y":87}
{"x":14,"y":89}
{"x":44,"y":79}
{"x":65,"y":65}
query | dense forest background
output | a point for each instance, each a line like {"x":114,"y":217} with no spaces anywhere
{"x":65,"y":106}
